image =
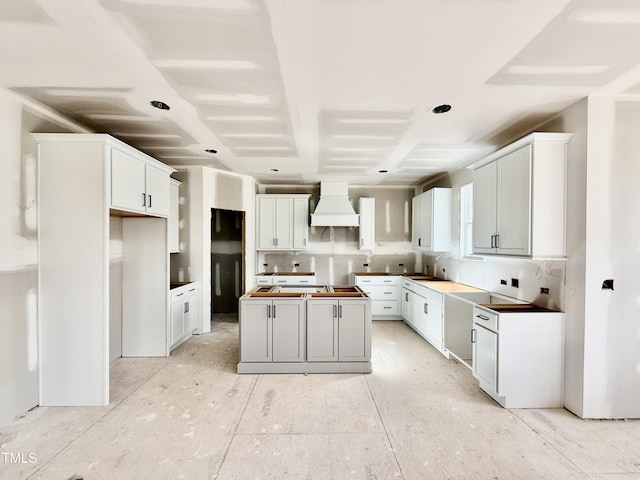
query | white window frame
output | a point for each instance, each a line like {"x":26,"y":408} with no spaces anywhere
{"x":466,"y":222}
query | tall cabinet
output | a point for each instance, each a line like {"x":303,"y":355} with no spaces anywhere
{"x":81,"y":183}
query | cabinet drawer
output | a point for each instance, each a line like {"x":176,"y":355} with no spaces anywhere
{"x":185,"y":291}
{"x":382,"y":307}
{"x":294,"y":280}
{"x":264,"y":280}
{"x":377,"y":280}
{"x":381,"y":292}
{"x":485,"y":318}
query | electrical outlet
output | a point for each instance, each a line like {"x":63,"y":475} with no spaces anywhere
{"x":365,"y":264}
{"x":515,"y":282}
{"x":544,"y":291}
{"x":503,"y":282}
{"x":401,"y":264}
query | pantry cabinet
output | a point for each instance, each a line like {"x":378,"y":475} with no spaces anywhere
{"x":283,"y":222}
{"x":519,"y":198}
{"x":80,"y":178}
{"x":431,"y":220}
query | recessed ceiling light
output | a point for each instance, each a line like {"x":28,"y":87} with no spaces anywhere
{"x":444,"y":108}
{"x":247,"y":98}
{"x":194,"y":64}
{"x":557,"y":69}
{"x":159,"y":104}
{"x":618,"y":16}
{"x":211,"y":150}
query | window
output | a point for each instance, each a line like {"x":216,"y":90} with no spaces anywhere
{"x":466,"y":220}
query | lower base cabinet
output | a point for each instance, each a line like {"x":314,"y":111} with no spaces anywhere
{"x":272,"y":330}
{"x":184,"y":313}
{"x":518,"y":357}
{"x":423,"y":311}
{"x":305,"y":335}
{"x":338,"y":331}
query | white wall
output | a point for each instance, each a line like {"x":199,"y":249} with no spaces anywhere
{"x":18,"y":252}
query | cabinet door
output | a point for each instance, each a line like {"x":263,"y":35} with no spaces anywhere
{"x":354,"y":331}
{"x":485,"y":357}
{"x":288,"y":331}
{"x":322,"y":331}
{"x":177,"y":322}
{"x":127,"y":182}
{"x":284,"y":223}
{"x":484,"y":208}
{"x":426,"y":234}
{"x":514,"y":203}
{"x":174,"y":220}
{"x":407,"y":305}
{"x":416,"y":221}
{"x":266,"y":232}
{"x":255,"y":331}
{"x":421,"y":312}
{"x":367,"y":223}
{"x":300,"y":223}
{"x":191,"y":314}
{"x":433,"y":323}
{"x":157,"y":189}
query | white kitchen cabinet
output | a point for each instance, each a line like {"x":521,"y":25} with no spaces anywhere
{"x":518,"y":355}
{"x":282,"y":222}
{"x":519,"y":198}
{"x":431,"y":220}
{"x":322,"y":331}
{"x":174,"y":216}
{"x":184,"y":305}
{"x":293,"y":280}
{"x":138,"y":184}
{"x":430,"y":321}
{"x":301,"y":222}
{"x":272,"y":330}
{"x":367,"y":219}
{"x":74,"y":228}
{"x":384,"y":293}
{"x":339,"y":329}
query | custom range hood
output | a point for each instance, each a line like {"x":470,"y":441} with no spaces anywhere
{"x":334,"y":209}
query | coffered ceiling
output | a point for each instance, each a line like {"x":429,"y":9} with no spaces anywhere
{"x":298,"y":91}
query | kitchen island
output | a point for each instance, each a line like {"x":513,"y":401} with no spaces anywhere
{"x":305,"y":329}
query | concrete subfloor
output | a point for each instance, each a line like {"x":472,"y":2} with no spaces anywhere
{"x":417,"y":416}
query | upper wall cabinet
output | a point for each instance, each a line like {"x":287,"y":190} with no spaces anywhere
{"x":138,"y":184}
{"x":282,"y":222}
{"x":367,"y":219}
{"x":519,"y":198}
{"x":431,"y":220}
